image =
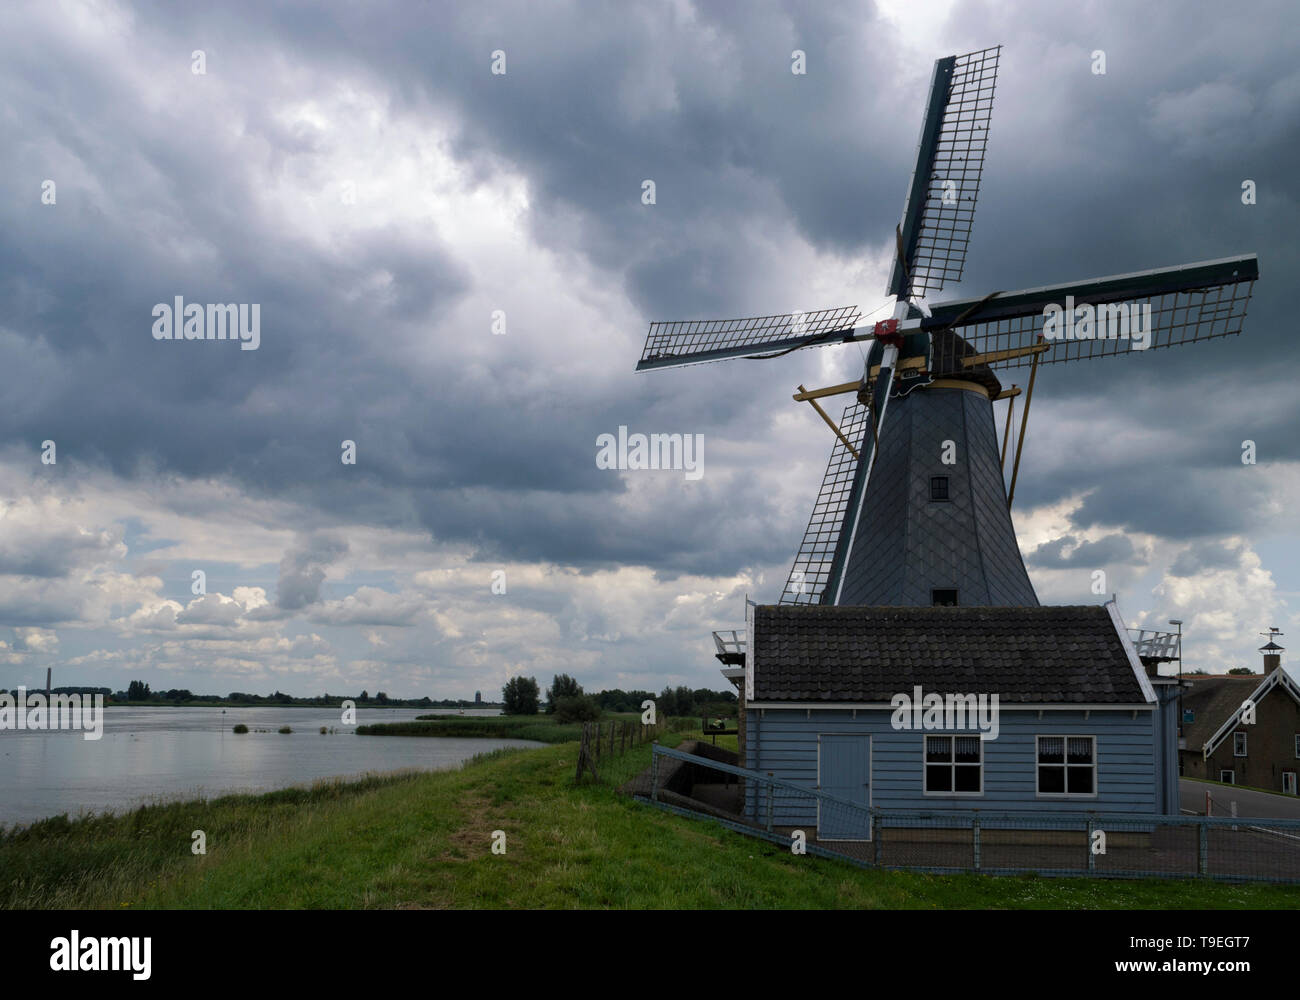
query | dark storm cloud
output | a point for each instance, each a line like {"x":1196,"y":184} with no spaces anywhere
{"x":1086,"y":175}
{"x":1104,"y":551}
{"x":1208,"y":556}
{"x":53,"y":552}
{"x":302,"y":570}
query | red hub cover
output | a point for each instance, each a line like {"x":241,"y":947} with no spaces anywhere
{"x":886,"y":331}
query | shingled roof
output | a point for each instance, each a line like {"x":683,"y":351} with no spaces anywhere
{"x":845,"y":653}
{"x":1211,"y":699}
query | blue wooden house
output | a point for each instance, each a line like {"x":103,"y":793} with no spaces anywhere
{"x":1015,"y":709}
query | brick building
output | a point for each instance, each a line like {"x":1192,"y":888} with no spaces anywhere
{"x":1220,"y":744}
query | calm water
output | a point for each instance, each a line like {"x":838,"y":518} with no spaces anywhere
{"x":147,"y":754}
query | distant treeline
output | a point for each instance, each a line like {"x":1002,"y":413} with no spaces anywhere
{"x":139,"y":693}
{"x":566,"y":700}
{"x":106,"y":692}
{"x":670,"y":701}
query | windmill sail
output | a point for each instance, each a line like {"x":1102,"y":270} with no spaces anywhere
{"x":689,"y":342}
{"x":1129,"y":313}
{"x":812,"y":565}
{"x":940,"y":209}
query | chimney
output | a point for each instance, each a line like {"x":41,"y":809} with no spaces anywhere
{"x":1272,"y":651}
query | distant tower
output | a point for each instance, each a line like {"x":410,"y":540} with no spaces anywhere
{"x":478,"y":697}
{"x":1272,"y":652}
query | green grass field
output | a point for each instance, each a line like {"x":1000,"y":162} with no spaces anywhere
{"x":424,"y":840}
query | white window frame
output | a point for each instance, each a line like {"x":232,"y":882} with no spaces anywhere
{"x":1231,"y":778}
{"x":953,"y":765}
{"x":1038,"y":793}
{"x":1239,"y":739}
{"x":1292,"y":776}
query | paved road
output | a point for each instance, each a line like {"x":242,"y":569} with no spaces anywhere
{"x":1191,"y":794}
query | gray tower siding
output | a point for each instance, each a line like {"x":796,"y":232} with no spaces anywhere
{"x":908,"y":545}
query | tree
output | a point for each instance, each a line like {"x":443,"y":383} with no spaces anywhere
{"x":137,"y":691}
{"x":521,"y":695}
{"x":577,"y":708}
{"x":562,"y":686}
{"x":365,"y":696}
{"x":1241,"y":670}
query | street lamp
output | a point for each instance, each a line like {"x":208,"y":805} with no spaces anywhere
{"x":1178,"y":622}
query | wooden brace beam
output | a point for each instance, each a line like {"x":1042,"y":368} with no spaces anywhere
{"x":830,"y":423}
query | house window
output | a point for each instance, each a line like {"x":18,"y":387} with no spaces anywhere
{"x":1227,"y":777}
{"x":1288,"y":782}
{"x":943,"y":598}
{"x":1239,"y":744}
{"x":954,"y":765}
{"x":1189,"y":715}
{"x":1067,"y":766}
{"x":939,"y":488}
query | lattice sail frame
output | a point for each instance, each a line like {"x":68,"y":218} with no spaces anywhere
{"x":1178,"y":315}
{"x":694,"y":341}
{"x":937,"y":255}
{"x":812,"y":564}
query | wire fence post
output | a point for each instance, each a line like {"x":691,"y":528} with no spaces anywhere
{"x":975,"y":837}
{"x":875,"y":834}
{"x":1204,"y":864}
{"x":1087,"y":846}
{"x":654,"y":772}
{"x":771,"y":801}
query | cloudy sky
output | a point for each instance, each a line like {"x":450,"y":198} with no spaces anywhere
{"x":360,"y":173}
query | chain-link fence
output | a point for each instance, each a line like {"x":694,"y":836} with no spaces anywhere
{"x":957,"y":840}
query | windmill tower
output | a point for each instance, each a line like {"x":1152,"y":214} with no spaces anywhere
{"x":913,"y":508}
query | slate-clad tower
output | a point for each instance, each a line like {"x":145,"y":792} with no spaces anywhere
{"x":932,"y":533}
{"x":935,"y":527}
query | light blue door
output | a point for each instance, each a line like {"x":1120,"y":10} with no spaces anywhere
{"x":845,"y":772}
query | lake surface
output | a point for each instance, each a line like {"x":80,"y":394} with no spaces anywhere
{"x":152,"y":754}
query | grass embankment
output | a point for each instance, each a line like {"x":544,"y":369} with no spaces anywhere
{"x":541,"y":728}
{"x":424,"y":840}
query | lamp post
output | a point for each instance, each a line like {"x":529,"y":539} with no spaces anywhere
{"x":1178,"y":623}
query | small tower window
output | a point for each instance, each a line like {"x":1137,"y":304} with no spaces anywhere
{"x":938,"y":487}
{"x":943,"y":598}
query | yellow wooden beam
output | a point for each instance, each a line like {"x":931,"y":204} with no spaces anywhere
{"x":832,"y":425}
{"x":1007,"y":394}
{"x":907,"y":364}
{"x":834,"y":390}
{"x":1024,"y":420}
{"x":989,"y":357}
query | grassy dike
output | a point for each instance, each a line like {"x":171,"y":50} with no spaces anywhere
{"x":541,"y":728}
{"x":423,"y":840}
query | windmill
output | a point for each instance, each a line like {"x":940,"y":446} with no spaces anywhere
{"x":913,"y":508}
